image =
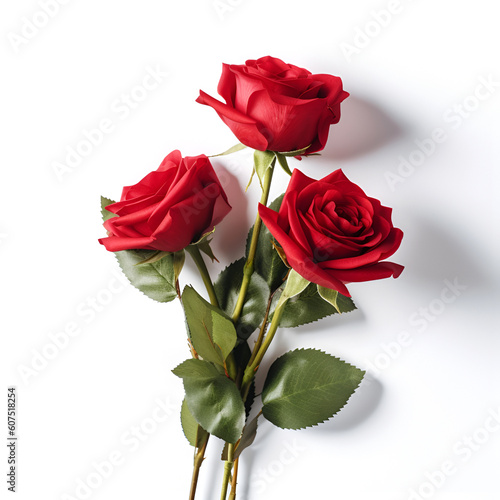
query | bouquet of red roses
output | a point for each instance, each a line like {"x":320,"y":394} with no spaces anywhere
{"x":301,"y":252}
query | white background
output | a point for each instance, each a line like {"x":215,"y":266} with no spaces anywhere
{"x":421,"y":401}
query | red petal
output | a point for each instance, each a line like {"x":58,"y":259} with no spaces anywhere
{"x":243,"y":127}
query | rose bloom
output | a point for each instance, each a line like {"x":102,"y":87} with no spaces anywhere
{"x":169,"y":209}
{"x":271,"y":105}
{"x":332,"y":233}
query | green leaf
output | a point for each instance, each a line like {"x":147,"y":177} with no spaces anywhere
{"x":194,"y":432}
{"x":105,"y":213}
{"x":212,"y":334}
{"x":156,"y":280}
{"x":224,"y":333}
{"x":227,"y":289}
{"x":248,"y":436}
{"x":262,"y":161}
{"x":306,"y":387}
{"x":213,"y":399}
{"x":268,"y":263}
{"x":309,"y":306}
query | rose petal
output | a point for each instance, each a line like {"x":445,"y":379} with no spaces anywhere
{"x":296,"y":256}
{"x":377,"y":271}
{"x":289,"y":124}
{"x":117,"y":244}
{"x":244,"y":128}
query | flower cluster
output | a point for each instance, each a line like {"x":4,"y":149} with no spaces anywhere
{"x":303,"y":250}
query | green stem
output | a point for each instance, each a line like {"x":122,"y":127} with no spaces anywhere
{"x":227,"y":470}
{"x":232,"y":494}
{"x":295,"y":284}
{"x":249,"y":264}
{"x":262,"y":331}
{"x":198,"y":460}
{"x":254,"y":365}
{"x":195,"y":253}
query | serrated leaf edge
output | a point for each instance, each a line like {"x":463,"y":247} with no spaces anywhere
{"x":314,"y":320}
{"x":143,"y":293}
{"x":329,"y":418}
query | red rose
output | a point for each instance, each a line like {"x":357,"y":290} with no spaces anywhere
{"x":169,"y":209}
{"x":332,"y":233}
{"x":271,"y":105}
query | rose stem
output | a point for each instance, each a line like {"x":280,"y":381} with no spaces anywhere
{"x":249,"y":264}
{"x":254,"y":365}
{"x":198,"y":460}
{"x":247,"y":274}
{"x":262,"y":331}
{"x":194,"y":251}
{"x":227,"y":470}
{"x":232,"y":494}
{"x":245,"y":387}
{"x":199,"y":455}
{"x":248,"y":376}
